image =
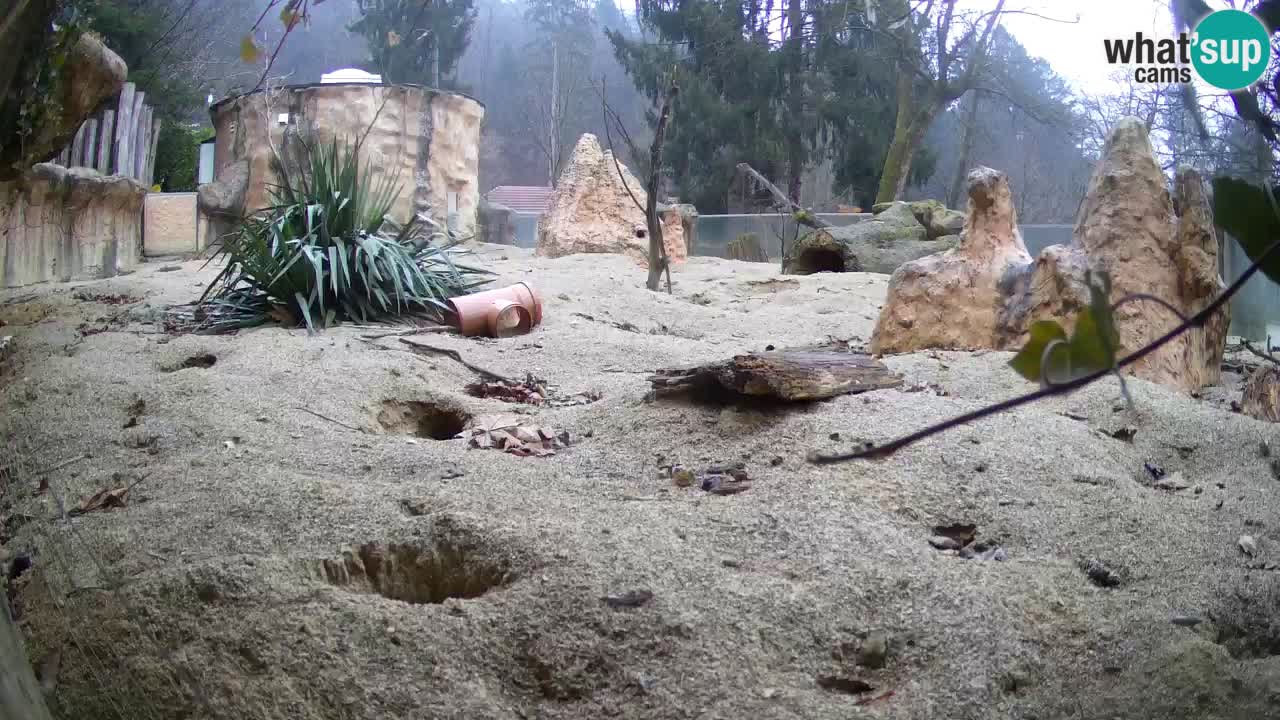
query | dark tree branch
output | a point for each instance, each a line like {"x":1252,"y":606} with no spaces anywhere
{"x":780,"y":198}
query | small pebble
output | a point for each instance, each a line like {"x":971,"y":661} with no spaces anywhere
{"x":1186,"y":620}
{"x":874,"y":651}
{"x":1248,"y":545}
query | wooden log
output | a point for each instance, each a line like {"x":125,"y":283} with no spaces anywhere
{"x":91,"y":143}
{"x":135,"y":133}
{"x":77,"y":147}
{"x":802,"y":216}
{"x":1261,"y":397}
{"x":124,"y":126}
{"x":156,"y":125}
{"x":141,"y":138}
{"x":106,"y":141}
{"x":790,"y":375}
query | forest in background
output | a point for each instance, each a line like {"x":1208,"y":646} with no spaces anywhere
{"x":831,"y":99}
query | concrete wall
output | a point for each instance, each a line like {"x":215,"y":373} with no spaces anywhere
{"x":170,"y":225}
{"x":64,"y":224}
{"x":428,"y":140}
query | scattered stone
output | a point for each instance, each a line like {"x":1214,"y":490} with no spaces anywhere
{"x":1014,"y":680}
{"x":170,"y":268}
{"x":1155,"y":471}
{"x":683,"y":476}
{"x":769,"y":693}
{"x":1186,"y":620}
{"x":874,"y":651}
{"x":1101,"y":575}
{"x":1172,"y":483}
{"x":1248,"y":545}
{"x":629,"y":599}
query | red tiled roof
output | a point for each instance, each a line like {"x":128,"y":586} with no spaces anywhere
{"x":522,"y":198}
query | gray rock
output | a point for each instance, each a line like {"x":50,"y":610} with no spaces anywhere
{"x":878,"y":246}
{"x":874,"y":651}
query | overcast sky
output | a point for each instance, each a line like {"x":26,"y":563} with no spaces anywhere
{"x":1075,"y":49}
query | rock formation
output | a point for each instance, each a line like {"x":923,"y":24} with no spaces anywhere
{"x":495,"y":223}
{"x":987,"y":292}
{"x":1261,"y":397}
{"x":880,"y":245}
{"x":91,"y":73}
{"x":593,"y":212}
{"x":64,"y":224}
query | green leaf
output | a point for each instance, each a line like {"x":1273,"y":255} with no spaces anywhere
{"x":1245,"y":212}
{"x":249,"y":51}
{"x":1027,"y":362}
{"x":1049,"y":357}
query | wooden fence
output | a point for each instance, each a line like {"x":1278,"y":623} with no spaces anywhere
{"x":120,"y":139}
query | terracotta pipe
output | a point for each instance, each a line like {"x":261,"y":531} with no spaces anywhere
{"x":474,"y":314}
{"x":508,"y":319}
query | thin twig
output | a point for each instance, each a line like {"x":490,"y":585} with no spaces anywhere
{"x":457,"y":357}
{"x":1197,"y":320}
{"x":339,"y":423}
{"x":411,"y":331}
{"x":48,"y":470}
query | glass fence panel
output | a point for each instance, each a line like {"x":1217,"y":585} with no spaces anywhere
{"x":1255,"y":310}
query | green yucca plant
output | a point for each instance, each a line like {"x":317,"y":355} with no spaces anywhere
{"x":324,"y":252}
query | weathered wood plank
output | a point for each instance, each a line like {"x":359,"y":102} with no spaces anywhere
{"x":135,"y":133}
{"x":790,"y":375}
{"x":106,"y":141}
{"x":156,"y":126}
{"x":77,"y":147}
{"x":124,"y":127}
{"x":91,"y":143}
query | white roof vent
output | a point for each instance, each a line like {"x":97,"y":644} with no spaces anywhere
{"x":350,"y":75}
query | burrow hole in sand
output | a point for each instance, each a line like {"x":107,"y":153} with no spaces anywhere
{"x":818,"y":260}
{"x":422,"y":418}
{"x":204,"y":361}
{"x":417,"y":574}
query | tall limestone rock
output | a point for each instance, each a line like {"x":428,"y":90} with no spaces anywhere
{"x":1151,"y":241}
{"x":593,"y":212}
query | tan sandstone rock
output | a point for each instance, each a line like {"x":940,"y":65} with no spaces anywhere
{"x":593,"y":212}
{"x":955,"y":299}
{"x":1129,"y":225}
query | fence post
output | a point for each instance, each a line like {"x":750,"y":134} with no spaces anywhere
{"x":156,"y":126}
{"x":91,"y":143}
{"x":106,"y":141}
{"x":123,"y":127}
{"x":137,"y":141}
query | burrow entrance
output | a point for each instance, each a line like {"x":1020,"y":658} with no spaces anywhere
{"x":418,"y":574}
{"x":203,"y":361}
{"x":818,"y":260}
{"x":423,"y":418}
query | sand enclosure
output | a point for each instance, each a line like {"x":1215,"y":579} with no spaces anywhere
{"x":301,"y":541}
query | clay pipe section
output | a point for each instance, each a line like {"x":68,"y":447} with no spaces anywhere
{"x":502,"y":312}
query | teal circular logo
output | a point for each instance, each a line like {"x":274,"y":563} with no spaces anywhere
{"x":1231,"y":49}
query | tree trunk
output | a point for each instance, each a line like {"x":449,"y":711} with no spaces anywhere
{"x":966,"y":150}
{"x":909,"y":127}
{"x":795,"y":100}
{"x":657,"y":250}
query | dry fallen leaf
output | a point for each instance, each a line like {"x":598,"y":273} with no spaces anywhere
{"x":510,"y":433}
{"x":104,"y":499}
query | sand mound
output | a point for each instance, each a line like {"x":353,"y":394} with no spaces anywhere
{"x":302,"y":541}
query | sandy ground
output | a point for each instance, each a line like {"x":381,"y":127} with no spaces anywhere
{"x":228,"y":587}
